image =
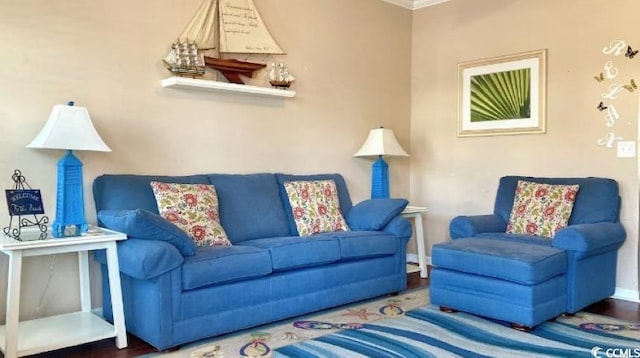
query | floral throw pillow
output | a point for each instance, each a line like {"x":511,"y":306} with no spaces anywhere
{"x":541,"y":209}
{"x":194,"y":209}
{"x":315,"y":206}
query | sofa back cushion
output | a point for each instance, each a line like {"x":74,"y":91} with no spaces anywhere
{"x":341,"y":186}
{"x":250,"y":206}
{"x":597,"y":200}
{"x":130,"y":192}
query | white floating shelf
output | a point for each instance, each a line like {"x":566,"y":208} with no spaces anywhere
{"x":207,"y":85}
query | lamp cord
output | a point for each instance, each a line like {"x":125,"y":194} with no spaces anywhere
{"x":52,"y":268}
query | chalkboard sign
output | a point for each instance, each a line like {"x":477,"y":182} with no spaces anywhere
{"x":24,"y":202}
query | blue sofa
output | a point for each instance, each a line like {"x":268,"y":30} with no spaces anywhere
{"x":174,"y":293}
{"x":525,"y":279}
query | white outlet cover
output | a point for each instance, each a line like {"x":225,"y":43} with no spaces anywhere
{"x":626,"y":149}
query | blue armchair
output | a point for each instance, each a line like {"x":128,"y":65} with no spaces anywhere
{"x":526,"y":279}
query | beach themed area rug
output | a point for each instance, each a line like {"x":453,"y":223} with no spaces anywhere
{"x":261,"y":341}
{"x":427,"y":332}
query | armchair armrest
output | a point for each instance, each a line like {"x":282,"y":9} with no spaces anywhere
{"x":586,"y":238}
{"x":145,"y":259}
{"x":469,"y":226}
{"x":400,"y":227}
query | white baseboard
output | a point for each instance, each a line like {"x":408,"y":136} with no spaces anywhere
{"x":627,"y":295}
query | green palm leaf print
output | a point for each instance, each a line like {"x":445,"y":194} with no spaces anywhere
{"x":501,"y":95}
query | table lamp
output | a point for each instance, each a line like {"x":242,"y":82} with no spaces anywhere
{"x":69,"y":128}
{"x":381,"y":141}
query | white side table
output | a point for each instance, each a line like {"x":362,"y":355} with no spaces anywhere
{"x":54,"y":332}
{"x":415,"y":212}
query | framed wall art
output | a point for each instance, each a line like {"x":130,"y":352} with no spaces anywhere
{"x":503,"y":95}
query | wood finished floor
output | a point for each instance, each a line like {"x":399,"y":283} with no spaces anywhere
{"x":625,"y":310}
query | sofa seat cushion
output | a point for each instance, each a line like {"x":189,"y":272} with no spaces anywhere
{"x":220,"y":264}
{"x":363,"y":244}
{"x":292,"y":252}
{"x":512,"y":261}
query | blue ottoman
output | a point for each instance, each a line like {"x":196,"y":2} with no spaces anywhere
{"x":520,"y":283}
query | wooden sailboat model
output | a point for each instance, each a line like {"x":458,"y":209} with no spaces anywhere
{"x":229,"y":26}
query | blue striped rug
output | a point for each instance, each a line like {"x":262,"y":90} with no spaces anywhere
{"x":427,"y":332}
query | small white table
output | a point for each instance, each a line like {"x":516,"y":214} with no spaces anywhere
{"x":415,"y":212}
{"x":54,"y":332}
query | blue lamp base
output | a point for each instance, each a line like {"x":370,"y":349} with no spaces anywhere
{"x":380,"y":179}
{"x":69,"y":197}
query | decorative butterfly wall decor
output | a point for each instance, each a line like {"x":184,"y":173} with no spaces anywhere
{"x":630,"y":53}
{"x":602,"y":107}
{"x":631,"y":86}
{"x":599,"y":78}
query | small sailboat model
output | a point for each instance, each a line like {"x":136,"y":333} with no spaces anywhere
{"x":228,"y":27}
{"x":184,"y":59}
{"x":279,"y":76}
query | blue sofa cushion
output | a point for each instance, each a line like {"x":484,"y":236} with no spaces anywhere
{"x":293,"y":252}
{"x":117,"y":191}
{"x":597,"y":200}
{"x":343,"y":194}
{"x":221,"y":264}
{"x":363,"y":244}
{"x":512,"y":261}
{"x":250,"y":206}
{"x":374,"y":214}
{"x":143,"y":224}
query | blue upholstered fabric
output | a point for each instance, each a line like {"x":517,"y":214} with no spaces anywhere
{"x":267,"y":275}
{"x":124,"y":192}
{"x":520,"y":238}
{"x":480,"y":275}
{"x":501,"y":259}
{"x":250,"y":206}
{"x":143,"y":224}
{"x":220,"y":264}
{"x":597,"y":200}
{"x":509,"y":301}
{"x":374,"y":214}
{"x":294,"y":252}
{"x":341,"y":186}
{"x":468,"y":226}
{"x":361,"y":244}
{"x":590,"y":237}
{"x":145,"y":259}
{"x":399,"y":227}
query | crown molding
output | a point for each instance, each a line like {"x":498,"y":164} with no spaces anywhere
{"x":415,"y":4}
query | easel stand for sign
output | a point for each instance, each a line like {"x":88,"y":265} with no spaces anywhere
{"x":24,"y":203}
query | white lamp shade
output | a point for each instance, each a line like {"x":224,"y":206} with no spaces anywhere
{"x":69,"y":128}
{"x":381,"y":141}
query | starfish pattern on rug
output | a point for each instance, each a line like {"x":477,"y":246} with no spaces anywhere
{"x":361,"y":313}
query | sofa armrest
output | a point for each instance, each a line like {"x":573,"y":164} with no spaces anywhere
{"x":587,"y":238}
{"x":400,"y":227}
{"x":374,"y":214}
{"x":144,"y":259}
{"x":469,"y":226}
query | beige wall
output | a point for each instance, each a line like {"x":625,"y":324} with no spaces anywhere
{"x":351,"y":59}
{"x":454,"y":175}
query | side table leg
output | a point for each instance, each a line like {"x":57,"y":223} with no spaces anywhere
{"x":85,"y":286}
{"x":13,"y":304}
{"x":422,"y":255}
{"x":116,"y":295}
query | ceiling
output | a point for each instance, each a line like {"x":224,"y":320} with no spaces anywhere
{"x":415,"y":4}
